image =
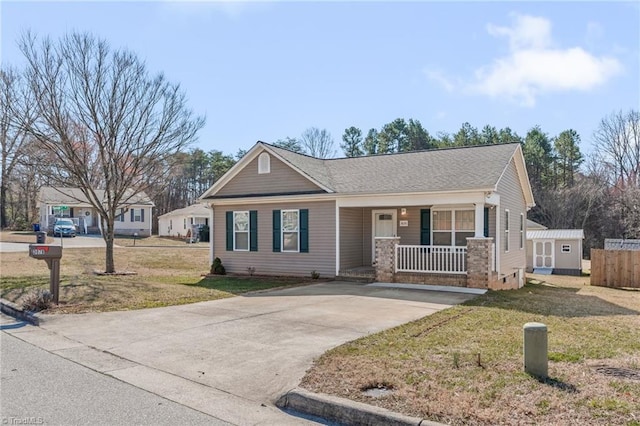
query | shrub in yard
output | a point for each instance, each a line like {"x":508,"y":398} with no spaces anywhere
{"x":39,"y":300}
{"x":315,"y":275}
{"x":217,"y":268}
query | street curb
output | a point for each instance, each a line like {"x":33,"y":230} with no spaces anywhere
{"x":11,"y":309}
{"x":344,"y":411}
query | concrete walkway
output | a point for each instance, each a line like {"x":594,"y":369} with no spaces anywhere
{"x":232,"y":358}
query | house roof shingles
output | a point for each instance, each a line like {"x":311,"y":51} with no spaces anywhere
{"x":192,"y":210}
{"x":452,"y":169}
{"x":74,"y":196}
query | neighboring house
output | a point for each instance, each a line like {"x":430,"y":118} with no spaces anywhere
{"x":554,"y":251}
{"x":621,"y":244}
{"x":178,"y":222}
{"x":409,"y":214}
{"x":134,"y":218}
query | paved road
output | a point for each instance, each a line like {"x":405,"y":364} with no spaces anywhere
{"x":44,"y":388}
{"x":77,"y":242}
{"x":232,"y":358}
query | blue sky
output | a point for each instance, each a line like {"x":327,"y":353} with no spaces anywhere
{"x":267,"y":70}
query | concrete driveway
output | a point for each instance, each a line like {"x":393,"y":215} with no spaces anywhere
{"x":232,"y":358}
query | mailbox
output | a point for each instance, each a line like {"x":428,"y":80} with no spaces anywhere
{"x":52,"y":255}
{"x":45,"y":251}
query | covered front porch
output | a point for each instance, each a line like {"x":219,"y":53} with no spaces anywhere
{"x":430,"y":240}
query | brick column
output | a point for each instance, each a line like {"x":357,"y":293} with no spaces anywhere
{"x":386,"y":258}
{"x":478,"y":262}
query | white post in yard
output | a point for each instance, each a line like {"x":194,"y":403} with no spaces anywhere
{"x":535,"y":349}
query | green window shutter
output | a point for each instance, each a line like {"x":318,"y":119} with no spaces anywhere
{"x":229,"y":231}
{"x":486,"y":221}
{"x":141,"y":215}
{"x":276,"y":230}
{"x":425,"y":227}
{"x":304,"y":230}
{"x":253,"y":230}
{"x":132,"y":214}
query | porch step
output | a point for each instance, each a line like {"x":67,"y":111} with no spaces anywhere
{"x":543,"y":271}
{"x":363,"y":274}
{"x":356,"y":279}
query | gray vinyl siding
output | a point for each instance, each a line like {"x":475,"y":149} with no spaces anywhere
{"x":367,"y":256}
{"x":410,"y":235}
{"x":567,"y":260}
{"x":529,"y":255}
{"x":281,"y":179}
{"x":351,"y":238}
{"x":512,"y":199}
{"x":322,"y":247}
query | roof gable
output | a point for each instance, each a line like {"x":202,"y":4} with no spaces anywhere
{"x":285,"y":172}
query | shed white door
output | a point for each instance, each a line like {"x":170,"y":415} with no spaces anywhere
{"x":543,"y":254}
{"x":384,"y":225}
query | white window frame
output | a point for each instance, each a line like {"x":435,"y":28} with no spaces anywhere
{"x":567,"y":246}
{"x":506,"y":230}
{"x":248,"y":231}
{"x":282,"y":230}
{"x":138,"y":217}
{"x":264,"y":163}
{"x":521,"y":231}
{"x":453,"y":231}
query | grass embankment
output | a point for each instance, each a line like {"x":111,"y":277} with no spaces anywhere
{"x":464,"y":365}
{"x":163,"y":276}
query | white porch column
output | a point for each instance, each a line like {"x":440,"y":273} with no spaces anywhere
{"x":337,"y":238}
{"x":479,"y":220}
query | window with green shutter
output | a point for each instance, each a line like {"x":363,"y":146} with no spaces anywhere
{"x":291,"y":231}
{"x":242,"y":230}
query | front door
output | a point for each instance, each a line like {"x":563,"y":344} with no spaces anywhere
{"x":384,"y":225}
{"x":543,"y":254}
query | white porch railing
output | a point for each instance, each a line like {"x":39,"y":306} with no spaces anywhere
{"x":433,"y":259}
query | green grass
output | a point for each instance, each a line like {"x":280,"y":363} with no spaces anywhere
{"x":464,"y":364}
{"x":239,"y":285}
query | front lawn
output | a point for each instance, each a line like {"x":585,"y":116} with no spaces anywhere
{"x":164,"y":276}
{"x":464,"y":365}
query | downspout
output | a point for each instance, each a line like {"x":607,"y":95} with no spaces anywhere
{"x":337,"y":238}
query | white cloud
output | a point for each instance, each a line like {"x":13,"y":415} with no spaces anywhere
{"x":440,"y":78}
{"x":534,"y":66}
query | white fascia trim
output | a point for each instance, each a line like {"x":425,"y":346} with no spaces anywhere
{"x":418,"y":199}
{"x":271,"y":199}
{"x":523,"y":176}
{"x":451,"y":198}
{"x":337,"y":240}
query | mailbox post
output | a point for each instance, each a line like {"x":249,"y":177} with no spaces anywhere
{"x":52,"y":255}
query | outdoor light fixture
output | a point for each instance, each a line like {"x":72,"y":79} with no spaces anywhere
{"x":403,"y":211}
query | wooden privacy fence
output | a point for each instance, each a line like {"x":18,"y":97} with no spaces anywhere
{"x":615,"y":268}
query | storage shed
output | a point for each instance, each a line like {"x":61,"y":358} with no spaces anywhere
{"x":554,"y":251}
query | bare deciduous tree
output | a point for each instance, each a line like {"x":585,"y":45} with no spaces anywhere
{"x":15,"y":107}
{"x":106,"y":121}
{"x":317,"y":143}
{"x":617,"y":143}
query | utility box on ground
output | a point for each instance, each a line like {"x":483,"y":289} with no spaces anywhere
{"x":52,"y":255}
